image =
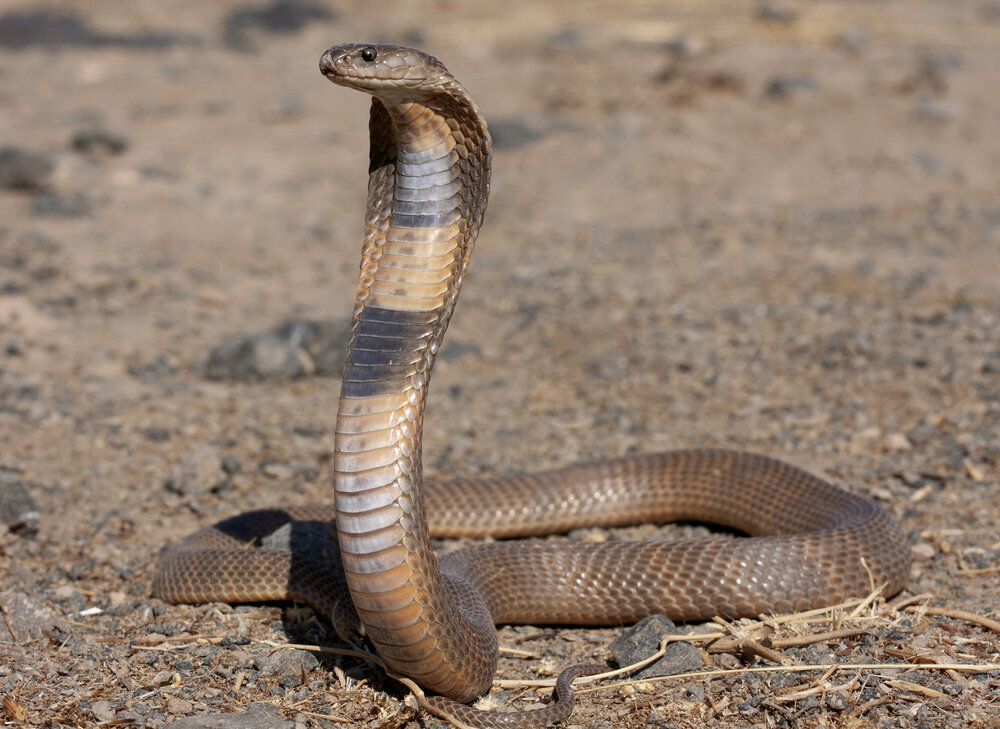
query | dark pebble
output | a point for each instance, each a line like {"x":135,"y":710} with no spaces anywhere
{"x":231,"y":464}
{"x":868,"y":694}
{"x":836,"y":702}
{"x":309,"y":431}
{"x":21,"y":169}
{"x":156,"y":434}
{"x":785,"y":87}
{"x":818,"y":653}
{"x":99,"y":142}
{"x":953,"y":689}
{"x":694,"y":693}
{"x":643,"y":640}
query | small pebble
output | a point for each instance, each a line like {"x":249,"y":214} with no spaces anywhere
{"x":836,"y":702}
{"x":785,"y":87}
{"x":98,"y":142}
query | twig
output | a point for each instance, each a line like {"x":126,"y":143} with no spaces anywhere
{"x":980,"y":571}
{"x":905,"y":601}
{"x":872,"y":597}
{"x":327,"y":717}
{"x":153,"y":642}
{"x":916,"y":688}
{"x":817,"y":637}
{"x":836,"y":667}
{"x":965,"y":615}
{"x":747,"y":645}
{"x":820,"y":686}
{"x":10,"y":628}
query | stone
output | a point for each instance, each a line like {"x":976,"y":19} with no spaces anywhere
{"x":199,"y":471}
{"x":288,"y":662}
{"x":257,"y":716}
{"x":643,"y":640}
{"x":98,"y":142}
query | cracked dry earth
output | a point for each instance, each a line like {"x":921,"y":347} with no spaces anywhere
{"x":770,"y":226}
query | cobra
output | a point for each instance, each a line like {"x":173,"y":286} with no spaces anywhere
{"x":809,"y":544}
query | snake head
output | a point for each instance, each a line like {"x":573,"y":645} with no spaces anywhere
{"x":385,"y":71}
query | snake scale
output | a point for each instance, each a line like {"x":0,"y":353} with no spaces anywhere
{"x":809,"y":543}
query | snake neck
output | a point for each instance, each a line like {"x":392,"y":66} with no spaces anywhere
{"x":428,"y":183}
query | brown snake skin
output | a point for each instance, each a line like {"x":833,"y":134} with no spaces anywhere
{"x":810,"y":543}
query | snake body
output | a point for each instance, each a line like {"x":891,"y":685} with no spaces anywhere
{"x":810,"y":543}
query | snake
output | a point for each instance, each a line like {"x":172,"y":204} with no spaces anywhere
{"x":808,"y":543}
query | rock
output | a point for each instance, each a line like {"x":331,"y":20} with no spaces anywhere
{"x":257,"y":716}
{"x":231,"y":464}
{"x":17,"y":509}
{"x":643,"y":640}
{"x":104,"y":711}
{"x":21,"y":169}
{"x":287,"y":662}
{"x":785,"y":87}
{"x":836,"y":702}
{"x":156,"y":433}
{"x":198,"y":472}
{"x":99,"y":142}
{"x":177,"y":706}
{"x":27,"y":618}
{"x":896,"y":442}
{"x":296,"y":348}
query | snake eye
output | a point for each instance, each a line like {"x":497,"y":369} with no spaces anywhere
{"x":369,"y":54}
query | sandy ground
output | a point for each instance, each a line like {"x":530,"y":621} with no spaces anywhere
{"x":769,"y":226}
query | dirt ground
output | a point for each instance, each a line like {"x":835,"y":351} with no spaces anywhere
{"x":773,"y":227}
